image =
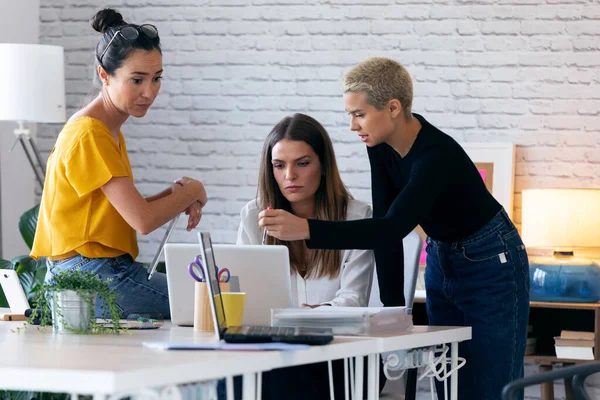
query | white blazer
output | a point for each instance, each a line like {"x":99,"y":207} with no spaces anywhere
{"x":351,"y":287}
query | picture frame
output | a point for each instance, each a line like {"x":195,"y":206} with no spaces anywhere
{"x":495,"y":160}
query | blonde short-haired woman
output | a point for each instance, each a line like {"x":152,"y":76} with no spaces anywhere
{"x":477,"y":268}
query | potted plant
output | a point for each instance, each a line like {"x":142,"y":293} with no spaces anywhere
{"x":68,"y":301}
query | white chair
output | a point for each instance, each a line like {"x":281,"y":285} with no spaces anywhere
{"x":412,"y":244}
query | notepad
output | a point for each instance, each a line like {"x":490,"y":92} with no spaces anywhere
{"x":226,"y":346}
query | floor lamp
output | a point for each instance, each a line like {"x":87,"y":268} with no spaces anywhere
{"x":32,"y":89}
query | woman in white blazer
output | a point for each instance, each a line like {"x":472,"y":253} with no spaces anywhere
{"x":298,"y":173}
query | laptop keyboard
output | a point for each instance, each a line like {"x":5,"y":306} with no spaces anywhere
{"x":286,"y":334}
{"x":261,"y":331}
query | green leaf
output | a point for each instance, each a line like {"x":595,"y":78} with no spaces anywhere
{"x":31,"y":273}
{"x":4,"y":264}
{"x":28,"y":224}
{"x":13,"y":395}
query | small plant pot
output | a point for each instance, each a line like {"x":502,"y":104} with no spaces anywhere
{"x":72,"y":311}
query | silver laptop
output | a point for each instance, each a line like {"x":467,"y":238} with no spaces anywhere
{"x":263,"y":273}
{"x":251,"y":333}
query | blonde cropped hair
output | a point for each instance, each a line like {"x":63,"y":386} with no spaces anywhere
{"x":382,"y":80}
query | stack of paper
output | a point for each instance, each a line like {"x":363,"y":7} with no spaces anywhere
{"x":575,"y":345}
{"x":359,"y":321}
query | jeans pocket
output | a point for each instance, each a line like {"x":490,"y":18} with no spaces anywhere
{"x":492,"y":249}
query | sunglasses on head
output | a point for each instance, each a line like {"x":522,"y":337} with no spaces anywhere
{"x":131,"y":33}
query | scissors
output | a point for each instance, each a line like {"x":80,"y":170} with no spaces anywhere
{"x":223,"y":275}
{"x":196,"y":270}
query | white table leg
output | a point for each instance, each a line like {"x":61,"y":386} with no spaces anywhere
{"x":454,"y":377}
{"x":98,"y":396}
{"x":359,"y":376}
{"x":377,"y":365}
{"x":351,"y":360}
{"x":372,"y":390}
{"x":249,"y":387}
{"x":229,"y":387}
{"x":346,"y":382}
{"x":330,"y":373}
{"x":259,"y":385}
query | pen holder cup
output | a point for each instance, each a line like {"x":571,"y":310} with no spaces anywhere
{"x":203,"y":319}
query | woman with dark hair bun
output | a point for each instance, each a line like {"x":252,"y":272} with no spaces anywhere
{"x":91,"y":210}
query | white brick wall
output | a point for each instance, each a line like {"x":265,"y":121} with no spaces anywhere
{"x":524,"y":71}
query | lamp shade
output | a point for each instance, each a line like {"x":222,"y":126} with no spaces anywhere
{"x":32,"y":83}
{"x":561,"y":218}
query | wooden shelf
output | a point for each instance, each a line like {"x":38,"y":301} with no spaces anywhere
{"x":572,"y":306}
{"x":549,"y":359}
{"x":545,"y":304}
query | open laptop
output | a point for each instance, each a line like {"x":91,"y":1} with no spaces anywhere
{"x":262,"y":272}
{"x":251,"y":333}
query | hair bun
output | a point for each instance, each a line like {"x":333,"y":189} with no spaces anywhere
{"x":105,"y":19}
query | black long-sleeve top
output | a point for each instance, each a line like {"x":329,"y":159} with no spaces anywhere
{"x":436,"y":185}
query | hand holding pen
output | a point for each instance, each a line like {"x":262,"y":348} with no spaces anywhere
{"x":264,"y":240}
{"x":283,"y":225}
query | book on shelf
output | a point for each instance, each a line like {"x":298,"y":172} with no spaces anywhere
{"x":531,"y":341}
{"x":530,"y":346}
{"x":560,"y":341}
{"x":575,"y":345}
{"x":577,"y":335}
{"x":574,"y":352}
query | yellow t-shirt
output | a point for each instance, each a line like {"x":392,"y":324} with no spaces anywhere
{"x":75,"y":215}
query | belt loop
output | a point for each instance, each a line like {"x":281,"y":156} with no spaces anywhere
{"x":506,"y":217}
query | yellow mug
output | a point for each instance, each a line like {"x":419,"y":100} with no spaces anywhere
{"x":233,"y":303}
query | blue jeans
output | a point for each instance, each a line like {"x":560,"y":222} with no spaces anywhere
{"x":482,"y":281}
{"x":134,"y":292}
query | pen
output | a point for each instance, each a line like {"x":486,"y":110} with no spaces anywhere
{"x":264,"y":241}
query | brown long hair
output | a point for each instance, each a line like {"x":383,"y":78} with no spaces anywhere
{"x":331,"y":197}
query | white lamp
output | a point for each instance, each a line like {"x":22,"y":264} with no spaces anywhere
{"x":563,"y":220}
{"x":32,"y":89}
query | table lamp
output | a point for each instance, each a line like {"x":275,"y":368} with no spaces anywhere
{"x":564,"y":221}
{"x":32,"y":89}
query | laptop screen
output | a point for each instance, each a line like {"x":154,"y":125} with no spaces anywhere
{"x":213,"y":284}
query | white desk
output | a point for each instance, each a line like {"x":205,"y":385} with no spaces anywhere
{"x":426,"y":336}
{"x":111,"y":364}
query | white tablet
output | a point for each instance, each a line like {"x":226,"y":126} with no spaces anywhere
{"x":154,"y":263}
{"x":11,"y":286}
